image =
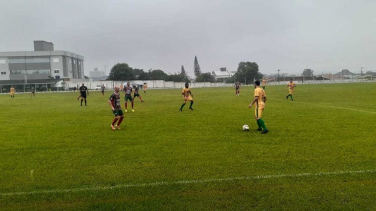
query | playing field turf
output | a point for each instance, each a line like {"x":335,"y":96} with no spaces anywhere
{"x":320,"y":153}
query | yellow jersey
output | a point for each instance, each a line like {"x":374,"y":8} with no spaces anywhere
{"x":263,"y":82}
{"x":260,"y":93}
{"x":291,"y":85}
{"x":186,"y":91}
{"x":12,"y":90}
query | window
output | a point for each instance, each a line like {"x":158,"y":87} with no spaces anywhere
{"x":74,"y":61}
{"x":56,"y":71}
{"x":41,"y":60}
{"x":17,"y":61}
{"x":16,"y":72}
{"x":3,"y":73}
{"x":55,"y":60}
{"x":2,"y":61}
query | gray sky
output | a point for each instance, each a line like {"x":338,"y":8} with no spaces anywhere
{"x":324,"y":35}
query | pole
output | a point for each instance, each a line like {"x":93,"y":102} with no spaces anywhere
{"x":278,"y":76}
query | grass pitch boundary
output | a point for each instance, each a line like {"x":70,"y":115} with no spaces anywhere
{"x":183,"y":182}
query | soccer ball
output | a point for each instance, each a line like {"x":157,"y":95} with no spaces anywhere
{"x":245,"y":128}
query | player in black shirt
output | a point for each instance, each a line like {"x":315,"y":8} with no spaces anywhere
{"x":114,"y":102}
{"x":83,"y":91}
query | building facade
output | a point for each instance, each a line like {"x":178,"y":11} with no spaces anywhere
{"x":42,"y":63}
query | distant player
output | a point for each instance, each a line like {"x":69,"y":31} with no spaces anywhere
{"x":237,"y":88}
{"x":12,"y":92}
{"x":187,"y":94}
{"x":103,"y":88}
{"x":144,"y":87}
{"x":128,"y":95}
{"x":83,"y":91}
{"x":263,"y":84}
{"x":291,"y":87}
{"x":259,"y":101}
{"x":32,"y":91}
{"x":136,"y":94}
{"x":114,"y":102}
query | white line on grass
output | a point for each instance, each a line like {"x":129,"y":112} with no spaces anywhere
{"x":329,"y":106}
{"x":184,"y":182}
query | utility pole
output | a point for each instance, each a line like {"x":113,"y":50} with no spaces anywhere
{"x":105,"y":67}
{"x":361,"y":71}
{"x":278,"y":76}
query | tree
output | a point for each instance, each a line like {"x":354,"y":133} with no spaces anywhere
{"x":157,"y":75}
{"x":197,"y":69}
{"x":307,"y":73}
{"x":121,"y":72}
{"x":182,"y":70}
{"x":247,"y":72}
{"x":205,"y":77}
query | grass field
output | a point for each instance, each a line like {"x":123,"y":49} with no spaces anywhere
{"x":319,"y":154}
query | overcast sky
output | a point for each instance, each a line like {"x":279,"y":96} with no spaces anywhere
{"x":324,"y":35}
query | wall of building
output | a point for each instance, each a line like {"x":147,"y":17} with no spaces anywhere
{"x":57,"y":67}
{"x":4,"y":69}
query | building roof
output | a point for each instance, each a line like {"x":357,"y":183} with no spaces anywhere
{"x":40,"y":53}
{"x":222,"y":74}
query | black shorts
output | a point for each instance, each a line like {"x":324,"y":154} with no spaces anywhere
{"x":83,"y":95}
{"x":136,"y":95}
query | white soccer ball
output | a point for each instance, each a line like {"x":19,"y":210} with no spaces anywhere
{"x":245,"y":128}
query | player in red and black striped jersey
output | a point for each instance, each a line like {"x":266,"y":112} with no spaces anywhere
{"x":114,"y":102}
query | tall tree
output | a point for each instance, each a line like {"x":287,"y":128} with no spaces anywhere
{"x":157,"y":75}
{"x":121,"y":72}
{"x":182,"y":70}
{"x":247,"y":72}
{"x":197,"y":69}
{"x":307,"y":73}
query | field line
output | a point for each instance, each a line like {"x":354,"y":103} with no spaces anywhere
{"x":329,"y":106}
{"x":123,"y":186}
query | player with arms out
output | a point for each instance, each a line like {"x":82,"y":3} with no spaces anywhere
{"x":237,"y":88}
{"x":259,"y":101}
{"x":83,"y":91}
{"x":291,"y":87}
{"x":12,"y":92}
{"x":187,"y":94}
{"x":144,"y":87}
{"x":136,"y":94}
{"x":114,"y":102}
{"x":128,"y":95}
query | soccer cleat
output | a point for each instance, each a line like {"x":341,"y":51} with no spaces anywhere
{"x":287,"y":97}
{"x":191,"y":109}
{"x":125,"y":110}
{"x":132,"y":110}
{"x":259,"y":129}
{"x":180,"y":110}
{"x":118,"y":127}
{"x":265,"y":131}
{"x":113,"y":127}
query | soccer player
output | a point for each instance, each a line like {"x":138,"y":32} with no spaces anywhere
{"x":259,"y":101}
{"x":187,"y":94}
{"x":102,"y":88}
{"x":237,"y":87}
{"x":291,"y":87}
{"x":263,"y":83}
{"x":83,"y":90}
{"x":12,"y":92}
{"x":32,"y":91}
{"x":128,"y":95}
{"x":136,"y":94}
{"x":144,"y":87}
{"x":114,"y":102}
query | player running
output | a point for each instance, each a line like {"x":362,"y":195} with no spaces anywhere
{"x":237,"y":87}
{"x":291,"y":87}
{"x":136,"y":94}
{"x":114,"y":102}
{"x":83,"y":90}
{"x":102,"y":88}
{"x":144,"y":87}
{"x":32,"y":91}
{"x":12,"y":92}
{"x":259,"y":101}
{"x":186,"y":92}
{"x":263,"y":84}
{"x":128,"y":96}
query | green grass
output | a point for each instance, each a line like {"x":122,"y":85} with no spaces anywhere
{"x":52,"y":143}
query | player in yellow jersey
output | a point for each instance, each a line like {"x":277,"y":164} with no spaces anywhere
{"x":263,"y":83}
{"x":259,"y":101}
{"x":291,"y":87}
{"x":144,"y":87}
{"x":12,"y":92}
{"x":187,"y":94}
